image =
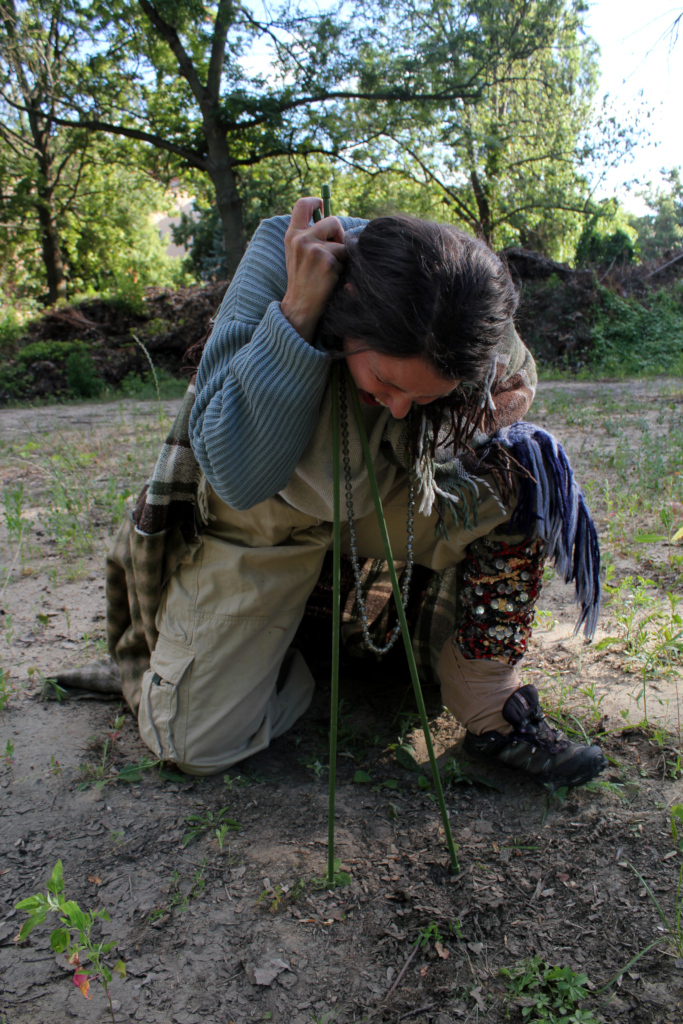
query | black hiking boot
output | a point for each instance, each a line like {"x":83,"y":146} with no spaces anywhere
{"x":544,"y":753}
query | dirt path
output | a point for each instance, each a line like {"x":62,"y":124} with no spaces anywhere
{"x":236,"y":929}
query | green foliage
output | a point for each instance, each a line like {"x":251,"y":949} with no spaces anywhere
{"x":599,"y":247}
{"x":552,"y":994}
{"x":208,"y":822}
{"x":429,"y":933}
{"x":671,"y":926}
{"x":631,"y":339}
{"x":82,"y":378}
{"x":662,"y":230}
{"x":142,"y":386}
{"x":74,"y":938}
{"x":454,"y":774}
{"x":339,"y":879}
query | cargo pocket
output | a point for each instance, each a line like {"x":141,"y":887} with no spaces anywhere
{"x":159,"y":703}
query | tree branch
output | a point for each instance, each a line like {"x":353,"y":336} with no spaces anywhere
{"x":224,"y":17}
{"x":171,"y":37}
{"x":93,"y":124}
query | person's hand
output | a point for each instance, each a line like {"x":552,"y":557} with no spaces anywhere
{"x":315,"y":257}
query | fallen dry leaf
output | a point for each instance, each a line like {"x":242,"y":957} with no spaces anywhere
{"x":94,"y":879}
{"x":443,"y":953}
{"x":476,"y":995}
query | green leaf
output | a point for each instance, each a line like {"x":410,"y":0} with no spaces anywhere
{"x":29,"y":925}
{"x":607,"y":642}
{"x":56,"y":883}
{"x":60,"y":939}
{"x":129,"y":773}
{"x":424,"y":782}
{"x":390,"y":783}
{"x":108,"y":946}
{"x":120,"y":968}
{"x":405,"y":756}
{"x":649,"y":538}
{"x":171,"y":777}
{"x":342,"y":878}
{"x":75,"y":914}
{"x":31,"y":902}
{"x":361,"y":777}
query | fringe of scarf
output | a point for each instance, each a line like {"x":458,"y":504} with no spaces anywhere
{"x":551,"y":505}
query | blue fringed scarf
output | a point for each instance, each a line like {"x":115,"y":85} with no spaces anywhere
{"x":549,"y":505}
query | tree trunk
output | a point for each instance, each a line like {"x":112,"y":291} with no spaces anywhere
{"x":228,"y":200}
{"x":52,"y":253}
{"x":484,"y":208}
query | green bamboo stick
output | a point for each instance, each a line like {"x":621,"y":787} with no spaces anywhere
{"x":336,"y":614}
{"x":402,"y":619}
{"x":326,"y":196}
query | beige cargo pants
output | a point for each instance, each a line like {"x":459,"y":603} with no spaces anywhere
{"x":223,"y":681}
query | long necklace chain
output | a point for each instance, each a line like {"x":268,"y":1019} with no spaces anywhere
{"x":348,"y":485}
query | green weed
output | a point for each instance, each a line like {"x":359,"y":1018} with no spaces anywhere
{"x":340,"y":878}
{"x":454,"y":774}
{"x":201,"y":823}
{"x":551,"y":994}
{"x":74,"y":937}
{"x":177,"y":897}
{"x":429,"y":933}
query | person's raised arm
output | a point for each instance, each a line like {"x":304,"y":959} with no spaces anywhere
{"x":260,"y":382}
{"x":315,"y":259}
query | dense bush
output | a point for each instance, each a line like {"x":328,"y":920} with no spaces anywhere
{"x":630,"y":338}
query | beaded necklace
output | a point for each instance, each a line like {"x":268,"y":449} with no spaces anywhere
{"x":348,"y":486}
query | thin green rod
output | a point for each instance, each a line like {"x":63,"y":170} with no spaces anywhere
{"x":402,"y":620}
{"x":326,"y":195}
{"x":336,"y":589}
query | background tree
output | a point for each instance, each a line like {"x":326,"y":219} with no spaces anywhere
{"x":661,"y":231}
{"x":37,"y":41}
{"x":510,"y":162}
{"x":183,"y":77}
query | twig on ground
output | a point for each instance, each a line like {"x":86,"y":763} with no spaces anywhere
{"x":413,"y":1013}
{"x":403,"y":971}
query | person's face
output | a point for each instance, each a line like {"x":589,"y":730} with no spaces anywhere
{"x":394,"y":382}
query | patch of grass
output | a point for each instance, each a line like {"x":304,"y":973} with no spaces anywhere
{"x":142,"y":386}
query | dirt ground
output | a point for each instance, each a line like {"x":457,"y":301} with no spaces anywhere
{"x":235,"y":928}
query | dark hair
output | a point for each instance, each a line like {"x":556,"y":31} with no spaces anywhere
{"x":422,"y":289}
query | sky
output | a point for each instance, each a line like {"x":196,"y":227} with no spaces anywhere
{"x":637,"y":57}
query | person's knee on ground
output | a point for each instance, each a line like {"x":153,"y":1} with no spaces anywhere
{"x":274,"y":707}
{"x":479,"y":669}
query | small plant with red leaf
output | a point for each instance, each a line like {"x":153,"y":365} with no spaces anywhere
{"x":73,"y":937}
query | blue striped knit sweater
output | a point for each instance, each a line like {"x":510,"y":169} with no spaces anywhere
{"x":259,"y":384}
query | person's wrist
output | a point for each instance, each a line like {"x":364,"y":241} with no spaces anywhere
{"x":301,"y":320}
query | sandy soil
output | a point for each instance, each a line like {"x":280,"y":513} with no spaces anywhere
{"x":242,"y":933}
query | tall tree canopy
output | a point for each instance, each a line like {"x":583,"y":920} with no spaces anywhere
{"x":220,"y":87}
{"x":38,"y":40}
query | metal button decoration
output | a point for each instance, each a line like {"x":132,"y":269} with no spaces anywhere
{"x":493,"y":626}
